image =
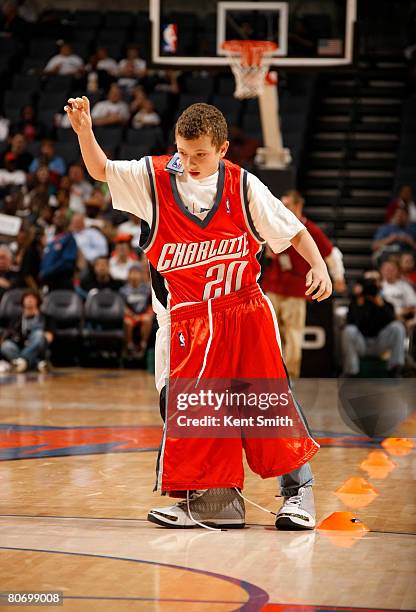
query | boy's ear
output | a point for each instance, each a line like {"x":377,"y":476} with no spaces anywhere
{"x":224,"y":148}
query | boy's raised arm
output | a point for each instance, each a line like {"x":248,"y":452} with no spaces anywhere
{"x":78,"y":111}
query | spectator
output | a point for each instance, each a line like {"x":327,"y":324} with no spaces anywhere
{"x":397,"y":291}
{"x":132,"y":226}
{"x":41,"y":185}
{"x":96,"y":203}
{"x":90,"y":241}
{"x":113,"y":111}
{"x":404,"y":199}
{"x":79,"y":188}
{"x":395,"y":237}
{"x":408,"y":268}
{"x":138,"y":316}
{"x":17,"y":147}
{"x":9,"y":175}
{"x":4,"y":128}
{"x":99,"y":277}
{"x":122,"y":258}
{"x":146,"y":116}
{"x":29,"y":126}
{"x":65,"y":63}
{"x":7,"y":276}
{"x":47,"y":157}
{"x":102,"y":61}
{"x":138,"y":99}
{"x":60,"y":255}
{"x":162,"y":80}
{"x":372,"y":330}
{"x":30,"y":258}
{"x":24,"y":345}
{"x":10,"y":22}
{"x":284,"y":281}
{"x":131,"y":68}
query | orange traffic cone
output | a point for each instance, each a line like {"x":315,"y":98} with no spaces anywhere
{"x":398,"y":446}
{"x":378,"y":465}
{"x":343,"y":529}
{"x":356,"y":492}
{"x":342,"y":521}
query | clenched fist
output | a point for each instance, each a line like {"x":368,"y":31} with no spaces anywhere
{"x":78,"y":111}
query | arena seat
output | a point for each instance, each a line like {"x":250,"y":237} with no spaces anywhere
{"x":103,"y":324}
{"x":10,"y":307}
{"x":63,"y":311}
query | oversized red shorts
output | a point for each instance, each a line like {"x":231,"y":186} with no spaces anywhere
{"x":241,"y":335}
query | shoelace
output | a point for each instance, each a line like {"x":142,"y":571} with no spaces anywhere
{"x":294,"y":500}
{"x":196,"y":494}
{"x":254,"y":503}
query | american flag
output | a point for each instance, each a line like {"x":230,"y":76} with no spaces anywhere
{"x":330,"y":46}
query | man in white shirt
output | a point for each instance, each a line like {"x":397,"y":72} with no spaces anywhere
{"x":65,"y":63}
{"x":90,"y":241}
{"x":131,"y":68}
{"x":113,"y":111}
{"x":398,"y":291}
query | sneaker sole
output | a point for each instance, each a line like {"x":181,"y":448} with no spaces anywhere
{"x":286,"y":524}
{"x":153,"y":519}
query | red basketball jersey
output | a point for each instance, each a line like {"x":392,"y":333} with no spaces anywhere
{"x":202,"y":258}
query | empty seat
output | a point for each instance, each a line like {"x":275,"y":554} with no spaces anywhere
{"x":52,"y":100}
{"x":203,"y":86}
{"x":115,"y":19}
{"x":63,"y":310}
{"x":16,"y":99}
{"x":58,"y":83}
{"x":10,"y":307}
{"x":186,"y":100}
{"x":104,"y":319}
{"x":26,"y":82}
{"x":69,"y":151}
{"x":151,"y":137}
{"x":133,"y":151}
{"x":110,"y":136}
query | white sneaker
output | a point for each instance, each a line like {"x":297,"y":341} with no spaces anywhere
{"x":42,"y":366}
{"x":19,"y":365}
{"x":297,"y":512}
{"x":222,"y":508}
{"x":5,"y":367}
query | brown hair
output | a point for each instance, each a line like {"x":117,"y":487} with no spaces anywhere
{"x":203,"y":120}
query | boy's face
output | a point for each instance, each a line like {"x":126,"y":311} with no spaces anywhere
{"x":200,"y":157}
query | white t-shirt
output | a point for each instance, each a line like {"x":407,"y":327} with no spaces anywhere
{"x":69,"y":64}
{"x":105,"y":107}
{"x":400,"y":294}
{"x":130,"y":191}
{"x":139,"y":64}
{"x":109,"y":65}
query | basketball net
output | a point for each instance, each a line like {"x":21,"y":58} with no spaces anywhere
{"x":250,"y":61}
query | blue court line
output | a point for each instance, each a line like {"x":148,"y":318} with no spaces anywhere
{"x":257,"y":596}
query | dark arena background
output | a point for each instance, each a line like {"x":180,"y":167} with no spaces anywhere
{"x":334,"y":132}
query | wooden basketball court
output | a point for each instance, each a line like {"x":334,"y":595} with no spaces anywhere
{"x":78,"y":450}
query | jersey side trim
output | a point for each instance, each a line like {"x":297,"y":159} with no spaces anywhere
{"x":155,"y":207}
{"x":246,"y":209}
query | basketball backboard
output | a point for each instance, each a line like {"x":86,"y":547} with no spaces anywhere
{"x":314,"y":33}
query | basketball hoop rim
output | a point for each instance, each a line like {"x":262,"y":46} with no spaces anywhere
{"x":251,"y":51}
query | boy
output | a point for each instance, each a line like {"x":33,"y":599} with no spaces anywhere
{"x":208,"y":221}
